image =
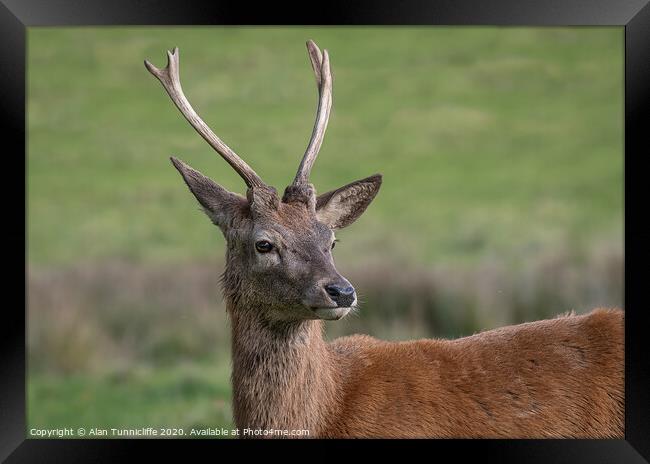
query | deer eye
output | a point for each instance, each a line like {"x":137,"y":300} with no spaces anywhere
{"x":263,"y":246}
{"x":334,"y":244}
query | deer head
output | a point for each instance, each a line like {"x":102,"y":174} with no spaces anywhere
{"x":279,"y":250}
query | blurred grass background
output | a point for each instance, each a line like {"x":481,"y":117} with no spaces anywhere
{"x":502,"y":202}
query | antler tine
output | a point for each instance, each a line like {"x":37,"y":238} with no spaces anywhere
{"x":170,"y":79}
{"x":320,"y":62}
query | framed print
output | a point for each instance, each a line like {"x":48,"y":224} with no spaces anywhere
{"x":424,"y":224}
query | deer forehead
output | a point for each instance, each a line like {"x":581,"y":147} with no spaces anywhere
{"x":291,"y":223}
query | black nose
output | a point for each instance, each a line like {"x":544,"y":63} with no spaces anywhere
{"x":342,"y":295}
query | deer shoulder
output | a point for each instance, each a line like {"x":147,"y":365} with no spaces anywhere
{"x":531,"y":379}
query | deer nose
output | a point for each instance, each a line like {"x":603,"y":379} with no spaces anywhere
{"x":343,"y":295}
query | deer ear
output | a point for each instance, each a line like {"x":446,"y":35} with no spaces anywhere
{"x":341,"y":207}
{"x":219,"y":204}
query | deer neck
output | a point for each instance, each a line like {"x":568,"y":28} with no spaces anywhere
{"x":283,"y":375}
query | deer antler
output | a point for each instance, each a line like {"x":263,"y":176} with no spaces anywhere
{"x":321,"y":64}
{"x":170,"y":80}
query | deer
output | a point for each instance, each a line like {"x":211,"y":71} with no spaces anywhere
{"x":556,"y":378}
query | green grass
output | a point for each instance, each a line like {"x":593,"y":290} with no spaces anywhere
{"x":502,"y":156}
{"x":195,"y":395}
{"x":491,"y":140}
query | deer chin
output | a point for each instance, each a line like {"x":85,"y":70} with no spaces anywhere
{"x":331,"y":314}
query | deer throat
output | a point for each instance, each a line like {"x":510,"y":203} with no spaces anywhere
{"x":283,"y":375}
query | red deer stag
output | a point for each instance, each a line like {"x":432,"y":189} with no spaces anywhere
{"x":561,"y":377}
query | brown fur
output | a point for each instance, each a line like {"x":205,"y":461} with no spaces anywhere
{"x":557,"y":378}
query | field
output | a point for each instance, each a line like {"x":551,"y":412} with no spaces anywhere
{"x":502,"y":201}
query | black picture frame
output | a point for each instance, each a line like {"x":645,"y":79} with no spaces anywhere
{"x":632,"y":15}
